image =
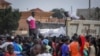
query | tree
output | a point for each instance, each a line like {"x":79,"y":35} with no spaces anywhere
{"x":58,"y":13}
{"x":9,"y":20}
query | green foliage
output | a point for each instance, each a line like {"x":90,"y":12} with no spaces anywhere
{"x":58,"y":13}
{"x":9,"y":20}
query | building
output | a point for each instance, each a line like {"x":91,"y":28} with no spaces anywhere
{"x":85,"y":13}
{"x":4,"y":4}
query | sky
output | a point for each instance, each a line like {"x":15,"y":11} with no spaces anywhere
{"x":48,"y":5}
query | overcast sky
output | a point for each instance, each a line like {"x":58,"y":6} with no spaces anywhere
{"x":47,"y":5}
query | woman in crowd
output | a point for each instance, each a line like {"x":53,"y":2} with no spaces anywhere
{"x":92,"y":50}
{"x":82,"y":44}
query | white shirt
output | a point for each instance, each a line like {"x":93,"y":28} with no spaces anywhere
{"x":30,"y":18}
{"x":44,"y":54}
{"x":4,"y":45}
{"x":92,"y":51}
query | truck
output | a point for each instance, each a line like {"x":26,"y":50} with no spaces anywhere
{"x":85,"y":27}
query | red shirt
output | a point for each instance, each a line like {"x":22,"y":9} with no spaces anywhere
{"x":7,"y":54}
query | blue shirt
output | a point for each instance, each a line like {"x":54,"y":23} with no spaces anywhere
{"x":65,"y":50}
{"x":17,"y":47}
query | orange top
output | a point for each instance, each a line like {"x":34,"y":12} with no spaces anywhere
{"x":86,"y":45}
{"x":74,"y":49}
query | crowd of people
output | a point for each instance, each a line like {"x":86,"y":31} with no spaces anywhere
{"x":78,"y":45}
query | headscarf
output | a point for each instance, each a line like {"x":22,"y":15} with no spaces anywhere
{"x":45,"y":41}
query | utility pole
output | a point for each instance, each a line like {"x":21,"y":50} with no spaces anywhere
{"x":71,"y":10}
{"x":89,"y":9}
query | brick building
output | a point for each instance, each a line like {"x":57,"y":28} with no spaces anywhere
{"x":4,"y":4}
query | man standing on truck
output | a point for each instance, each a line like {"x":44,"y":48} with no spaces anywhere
{"x":32,"y":25}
